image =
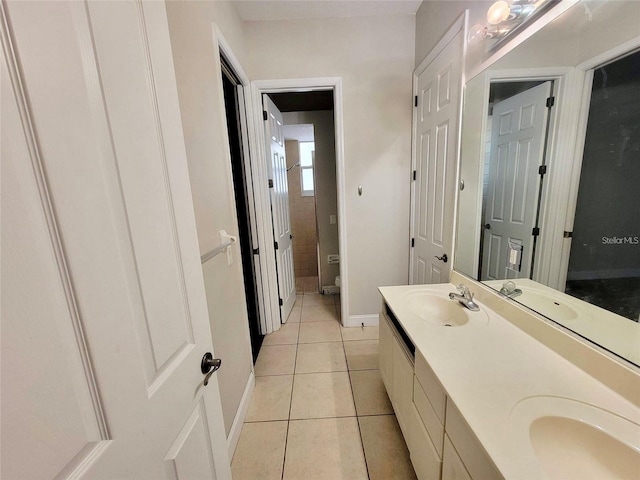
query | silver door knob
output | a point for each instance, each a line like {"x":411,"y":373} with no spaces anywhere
{"x":209,"y":365}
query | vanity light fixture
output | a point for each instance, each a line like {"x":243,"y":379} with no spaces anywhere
{"x":506,"y":16}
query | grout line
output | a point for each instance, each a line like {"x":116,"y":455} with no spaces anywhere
{"x":293,"y":384}
{"x":355,"y":407}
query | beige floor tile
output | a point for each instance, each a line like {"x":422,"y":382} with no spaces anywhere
{"x":362,"y":354}
{"x":359,"y":333}
{"x":369,"y":393}
{"x":385,"y":449}
{"x":311,"y":299}
{"x":271,"y":399}
{"x":326,"y":449}
{"x":287,"y":335}
{"x":322,"y":395}
{"x":260,"y":451}
{"x":276,"y":360}
{"x":318,"y":332}
{"x":298,"y":302}
{"x":294,"y":316}
{"x":319,"y":313}
{"x":320,"y":357}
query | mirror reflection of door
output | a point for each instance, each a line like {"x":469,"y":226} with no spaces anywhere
{"x":517,"y":129}
{"x":604,"y":263}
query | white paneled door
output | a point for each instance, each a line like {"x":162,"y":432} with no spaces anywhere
{"x":435,"y":137}
{"x":104,"y":317}
{"x":517,"y":150}
{"x":279,"y":191}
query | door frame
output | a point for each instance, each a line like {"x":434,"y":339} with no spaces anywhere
{"x":264,"y":220}
{"x":461,"y":25}
{"x":559,"y":173}
{"x":584,"y":73}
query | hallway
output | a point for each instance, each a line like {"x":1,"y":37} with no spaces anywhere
{"x":320,"y":409}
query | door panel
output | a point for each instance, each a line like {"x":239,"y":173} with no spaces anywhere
{"x":104,"y":136}
{"x":274,"y":133}
{"x":438,"y":111}
{"x":47,"y":375}
{"x":517,"y":150}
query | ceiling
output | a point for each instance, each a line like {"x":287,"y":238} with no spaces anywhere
{"x":266,"y":10}
{"x":303,"y":101}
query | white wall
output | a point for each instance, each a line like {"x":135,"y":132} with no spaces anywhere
{"x":434,"y":18}
{"x":204,"y":125}
{"x":374,"y":56}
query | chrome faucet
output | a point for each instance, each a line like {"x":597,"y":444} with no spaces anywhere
{"x":465,"y":297}
{"x":509,"y":289}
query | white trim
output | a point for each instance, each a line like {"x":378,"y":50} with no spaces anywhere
{"x":460,"y":25}
{"x":241,"y":414}
{"x":258,"y":142}
{"x":611,"y":55}
{"x":526,"y":33}
{"x":370,"y":320}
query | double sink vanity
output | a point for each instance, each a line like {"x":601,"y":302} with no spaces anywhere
{"x":478,"y":397}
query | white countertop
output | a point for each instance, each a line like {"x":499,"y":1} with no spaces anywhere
{"x":487,"y":368}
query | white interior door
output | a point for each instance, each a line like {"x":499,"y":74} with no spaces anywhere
{"x":280,"y":207}
{"x":104,"y":320}
{"x":517,"y":151}
{"x":436,"y":153}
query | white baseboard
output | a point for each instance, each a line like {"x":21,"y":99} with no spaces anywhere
{"x":238,"y":421}
{"x":359,"y":320}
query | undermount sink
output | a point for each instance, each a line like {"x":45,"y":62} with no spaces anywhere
{"x":575,"y":440}
{"x":437,"y":309}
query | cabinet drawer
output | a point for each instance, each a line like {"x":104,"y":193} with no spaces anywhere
{"x":431,"y":386}
{"x":452,"y":466}
{"x":427,"y":416}
{"x":473,"y":455}
{"x":426,"y":461}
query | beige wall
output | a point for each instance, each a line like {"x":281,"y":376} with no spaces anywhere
{"x":204,"y":125}
{"x":434,"y":18}
{"x":326,"y":195}
{"x":374,"y":56}
{"x":303,"y":218}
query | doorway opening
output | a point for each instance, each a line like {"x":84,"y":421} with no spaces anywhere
{"x":310,"y":146}
{"x":604,"y":261}
{"x":514,"y":169}
{"x":242,"y":185}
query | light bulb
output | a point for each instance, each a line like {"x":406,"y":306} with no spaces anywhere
{"x":476,"y":33}
{"x":498,"y":12}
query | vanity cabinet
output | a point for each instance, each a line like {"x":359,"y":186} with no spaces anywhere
{"x":440,"y":443}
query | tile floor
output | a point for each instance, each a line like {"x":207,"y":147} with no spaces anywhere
{"x":319,"y":408}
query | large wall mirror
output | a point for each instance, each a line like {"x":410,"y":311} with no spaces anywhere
{"x":549,"y":200}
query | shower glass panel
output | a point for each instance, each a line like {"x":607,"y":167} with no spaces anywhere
{"x":604,"y":264}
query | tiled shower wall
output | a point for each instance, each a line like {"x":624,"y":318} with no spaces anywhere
{"x":303,"y":219}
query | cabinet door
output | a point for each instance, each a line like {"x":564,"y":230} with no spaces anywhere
{"x":385,"y":354}
{"x":452,"y":466}
{"x":402,"y":391}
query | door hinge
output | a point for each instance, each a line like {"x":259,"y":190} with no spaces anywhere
{"x":551,"y":102}
{"x":414,"y":175}
{"x":542,"y":169}
{"x":535,"y":231}
{"x":275,"y":244}
{"x":413,"y":242}
{"x":264,"y":115}
{"x":270,"y":183}
{"x":280,"y":302}
{"x":568,"y":234}
{"x":256,"y":251}
{"x":415,"y":101}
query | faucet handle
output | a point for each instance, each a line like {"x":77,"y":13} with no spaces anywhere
{"x":462,"y":288}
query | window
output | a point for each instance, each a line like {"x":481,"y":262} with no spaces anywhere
{"x":307,"y":158}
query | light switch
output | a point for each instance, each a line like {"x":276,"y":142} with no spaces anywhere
{"x":332,"y":219}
